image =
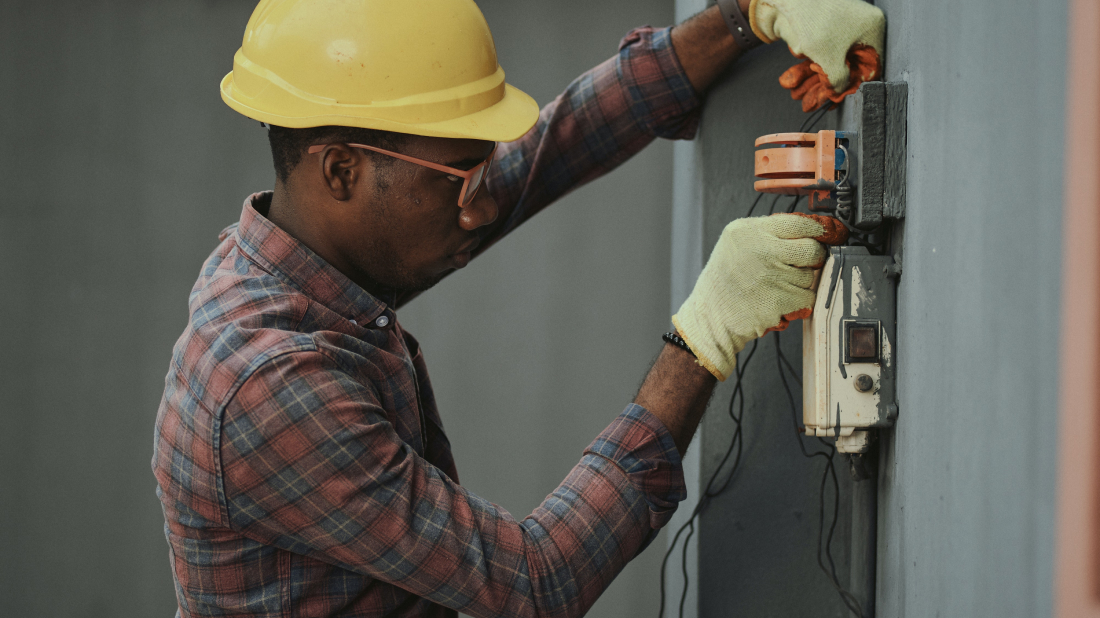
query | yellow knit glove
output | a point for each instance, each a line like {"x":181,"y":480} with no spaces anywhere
{"x":759,"y":275}
{"x":822,"y":30}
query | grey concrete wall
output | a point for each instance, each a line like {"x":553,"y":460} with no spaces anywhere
{"x":967,"y":495}
{"x":966,"y":492}
{"x":118,"y":166}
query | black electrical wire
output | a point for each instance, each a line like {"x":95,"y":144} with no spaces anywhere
{"x":771,"y":211}
{"x":684,"y":566}
{"x":736,"y":445}
{"x":824,"y":545}
{"x":794,"y":204}
{"x":759,"y":196}
{"x":814,"y":118}
{"x":862,"y":237}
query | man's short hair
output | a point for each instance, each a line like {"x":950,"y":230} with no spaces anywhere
{"x":288,"y":146}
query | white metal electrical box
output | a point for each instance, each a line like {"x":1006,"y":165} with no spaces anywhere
{"x":848,"y":349}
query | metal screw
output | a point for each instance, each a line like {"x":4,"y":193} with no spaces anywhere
{"x":893,"y":270}
{"x":864,"y":383}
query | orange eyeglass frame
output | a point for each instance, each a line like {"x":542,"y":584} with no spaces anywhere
{"x":465,"y":197}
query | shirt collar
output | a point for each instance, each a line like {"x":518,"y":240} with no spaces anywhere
{"x":287,"y":258}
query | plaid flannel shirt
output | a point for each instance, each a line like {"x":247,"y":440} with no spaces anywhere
{"x":300,"y":458}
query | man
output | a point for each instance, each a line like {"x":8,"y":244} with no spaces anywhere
{"x":300,"y":458}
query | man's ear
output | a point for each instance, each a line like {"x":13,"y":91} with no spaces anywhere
{"x":342,"y":170}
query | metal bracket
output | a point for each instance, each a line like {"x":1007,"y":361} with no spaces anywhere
{"x":880,"y":142}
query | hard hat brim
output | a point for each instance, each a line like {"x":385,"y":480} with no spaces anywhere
{"x":505,"y":121}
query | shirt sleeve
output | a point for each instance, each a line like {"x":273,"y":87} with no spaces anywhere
{"x":311,"y":464}
{"x":602,"y":119}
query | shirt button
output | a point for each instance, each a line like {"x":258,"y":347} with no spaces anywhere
{"x":354,"y":322}
{"x":382,"y":321}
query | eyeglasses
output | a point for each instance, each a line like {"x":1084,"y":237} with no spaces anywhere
{"x":472,"y":178}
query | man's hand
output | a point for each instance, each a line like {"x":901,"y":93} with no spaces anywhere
{"x":808,"y":83}
{"x":829,"y":33}
{"x":759,"y":276}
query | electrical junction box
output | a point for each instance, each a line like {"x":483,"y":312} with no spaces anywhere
{"x":848,"y":349}
{"x":858,"y":176}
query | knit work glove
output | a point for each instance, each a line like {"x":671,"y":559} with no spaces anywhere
{"x":808,"y":83}
{"x":825,"y":31}
{"x":758,"y":278}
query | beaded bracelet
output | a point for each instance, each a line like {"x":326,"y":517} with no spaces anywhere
{"x":678,"y":341}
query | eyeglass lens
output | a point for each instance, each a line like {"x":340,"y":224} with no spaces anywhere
{"x":474,"y":184}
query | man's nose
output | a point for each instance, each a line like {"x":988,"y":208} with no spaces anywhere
{"x":480,"y":212}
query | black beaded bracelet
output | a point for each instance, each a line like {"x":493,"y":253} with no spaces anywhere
{"x":675,"y":339}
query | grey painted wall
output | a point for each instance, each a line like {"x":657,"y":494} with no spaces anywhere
{"x":119,"y":164}
{"x":966,"y":493}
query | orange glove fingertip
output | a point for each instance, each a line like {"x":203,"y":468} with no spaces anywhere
{"x":786,"y":320}
{"x":799,"y":93}
{"x":835,"y":233}
{"x":796,"y":75}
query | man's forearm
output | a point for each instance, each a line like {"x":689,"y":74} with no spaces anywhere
{"x":676,"y":391}
{"x":705,"y":46}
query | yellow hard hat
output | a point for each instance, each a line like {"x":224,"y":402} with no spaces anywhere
{"x":425,"y":67}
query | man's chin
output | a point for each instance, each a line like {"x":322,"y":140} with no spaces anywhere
{"x":422,"y":285}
